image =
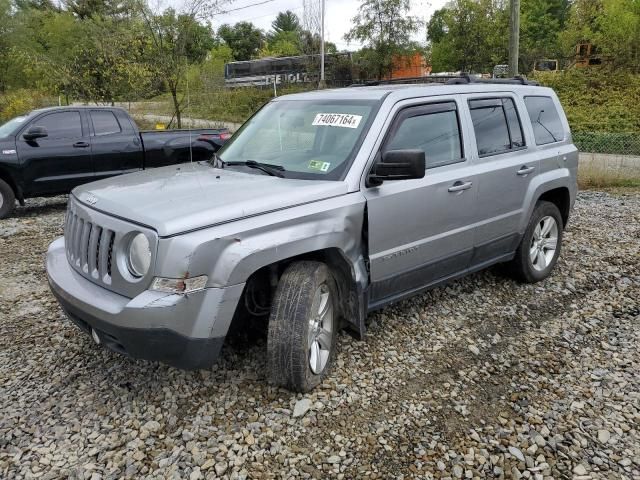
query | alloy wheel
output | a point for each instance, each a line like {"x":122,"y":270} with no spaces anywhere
{"x":544,"y":243}
{"x":320,"y":329}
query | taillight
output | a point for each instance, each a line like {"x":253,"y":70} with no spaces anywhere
{"x":221,"y":136}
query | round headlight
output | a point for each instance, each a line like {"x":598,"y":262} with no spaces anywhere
{"x":139,"y":255}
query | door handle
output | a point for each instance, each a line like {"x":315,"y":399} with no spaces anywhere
{"x":524,"y":170}
{"x":460,"y":186}
{"x":80,"y":145}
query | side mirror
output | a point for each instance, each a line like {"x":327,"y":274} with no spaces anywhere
{"x":398,"y":165}
{"x":35,"y":132}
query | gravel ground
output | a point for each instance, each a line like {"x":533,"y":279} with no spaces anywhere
{"x":482,"y":378}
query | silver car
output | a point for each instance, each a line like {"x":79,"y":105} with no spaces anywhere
{"x":323,"y":207}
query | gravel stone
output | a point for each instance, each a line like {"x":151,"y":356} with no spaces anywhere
{"x":580,"y":469}
{"x":557,"y":365}
{"x":301,"y":407}
{"x":516,"y":453}
{"x":603,"y":436}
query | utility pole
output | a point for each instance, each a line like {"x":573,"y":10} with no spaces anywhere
{"x":514,"y":37}
{"x":322,"y":82}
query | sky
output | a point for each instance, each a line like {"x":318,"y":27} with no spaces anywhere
{"x":338,"y":15}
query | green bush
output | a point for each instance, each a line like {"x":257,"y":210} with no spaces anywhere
{"x":235,"y":104}
{"x":597,"y":99}
{"x":602,"y":106}
{"x":20,"y":102}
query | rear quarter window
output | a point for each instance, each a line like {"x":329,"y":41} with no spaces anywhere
{"x":547,"y":126}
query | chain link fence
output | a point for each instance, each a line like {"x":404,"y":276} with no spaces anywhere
{"x":623,"y":143}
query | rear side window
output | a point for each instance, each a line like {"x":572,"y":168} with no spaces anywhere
{"x":547,"y":126}
{"x":432,"y":128}
{"x":496,"y":125}
{"x":104,"y":122}
{"x":61,"y":124}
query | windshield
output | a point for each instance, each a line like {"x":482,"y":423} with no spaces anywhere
{"x":12,"y":125}
{"x":309,"y":139}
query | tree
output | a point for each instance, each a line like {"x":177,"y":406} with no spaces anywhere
{"x":611,"y":26}
{"x":35,"y":4}
{"x":619,"y":37}
{"x":176,"y":40}
{"x":44,"y":44}
{"x":286,"y":22}
{"x":85,"y":9}
{"x":5,"y":41}
{"x":110,"y":64}
{"x":385,"y":27}
{"x":540,"y":25}
{"x":469,"y":36}
{"x":310,"y":43}
{"x":244,"y":39}
{"x":282,"y":44}
{"x":211,"y":72}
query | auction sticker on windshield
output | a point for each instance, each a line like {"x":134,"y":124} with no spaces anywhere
{"x":318,"y":165}
{"x":344,"y":120}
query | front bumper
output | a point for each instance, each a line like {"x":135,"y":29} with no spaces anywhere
{"x":186,"y":331}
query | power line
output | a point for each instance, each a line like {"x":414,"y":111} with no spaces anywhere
{"x":243,"y":7}
{"x":271,"y":14}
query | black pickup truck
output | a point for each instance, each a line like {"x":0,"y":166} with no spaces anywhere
{"x":52,"y":150}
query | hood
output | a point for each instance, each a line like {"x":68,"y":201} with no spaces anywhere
{"x":185,"y":197}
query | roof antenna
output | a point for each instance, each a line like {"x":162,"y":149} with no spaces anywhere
{"x":189,"y":113}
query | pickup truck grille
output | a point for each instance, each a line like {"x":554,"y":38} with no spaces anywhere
{"x":89,"y":247}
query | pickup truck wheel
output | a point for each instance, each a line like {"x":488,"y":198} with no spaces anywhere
{"x":539,"y":249}
{"x":302,"y":326}
{"x":7,"y":199}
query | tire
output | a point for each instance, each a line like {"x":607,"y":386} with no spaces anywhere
{"x":537,"y":255}
{"x":7,"y":199}
{"x":302,"y":327}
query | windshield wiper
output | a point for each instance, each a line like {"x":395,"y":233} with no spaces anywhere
{"x":273,"y":170}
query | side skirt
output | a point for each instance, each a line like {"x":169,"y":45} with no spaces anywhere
{"x":383,"y":302}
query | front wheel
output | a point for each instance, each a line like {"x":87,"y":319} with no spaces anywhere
{"x":7,"y":199}
{"x":302,"y":326}
{"x":539,"y":249}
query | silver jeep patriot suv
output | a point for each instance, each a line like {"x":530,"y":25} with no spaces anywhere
{"x":323,"y":207}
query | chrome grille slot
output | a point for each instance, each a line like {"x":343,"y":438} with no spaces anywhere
{"x":84,"y":246}
{"x":75,"y":243}
{"x":104,"y":255}
{"x":110,"y":253}
{"x":93,"y":251}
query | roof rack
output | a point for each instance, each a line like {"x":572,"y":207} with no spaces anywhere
{"x":461,"y":79}
{"x":465,"y":78}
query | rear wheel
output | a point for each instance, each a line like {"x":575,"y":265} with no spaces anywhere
{"x":302,"y":326}
{"x":539,"y":249}
{"x":7,"y":199}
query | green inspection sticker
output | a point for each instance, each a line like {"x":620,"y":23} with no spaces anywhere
{"x":318,"y":165}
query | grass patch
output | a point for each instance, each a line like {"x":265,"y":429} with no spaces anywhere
{"x":592,"y":177}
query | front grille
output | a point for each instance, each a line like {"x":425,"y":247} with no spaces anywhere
{"x":89,"y":247}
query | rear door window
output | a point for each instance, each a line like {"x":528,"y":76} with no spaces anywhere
{"x":497,"y":126}
{"x":104,"y":122}
{"x":547,"y":126}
